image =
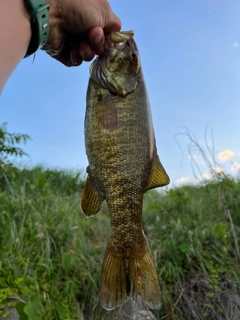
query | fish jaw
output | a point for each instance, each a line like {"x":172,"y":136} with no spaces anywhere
{"x":122,"y":36}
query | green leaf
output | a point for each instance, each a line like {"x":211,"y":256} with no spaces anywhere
{"x":61,"y":313}
{"x":34,"y":307}
{"x":20,"y":309}
{"x":8,"y":142}
{"x":208,"y":305}
{"x":210,"y":294}
{"x":219,"y":230}
{"x":183,"y":247}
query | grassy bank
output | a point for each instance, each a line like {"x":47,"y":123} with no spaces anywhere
{"x":51,"y":255}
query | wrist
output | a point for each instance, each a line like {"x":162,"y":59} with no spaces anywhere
{"x":25,"y":24}
{"x":15,"y":19}
{"x":39,"y":19}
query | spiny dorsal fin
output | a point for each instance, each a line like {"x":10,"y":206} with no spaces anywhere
{"x":158,"y":177}
{"x":91,"y":200}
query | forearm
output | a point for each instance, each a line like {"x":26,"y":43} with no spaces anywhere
{"x":77,"y":32}
{"x":15,"y":36}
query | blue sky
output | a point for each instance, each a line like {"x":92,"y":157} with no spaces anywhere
{"x":190,"y":54}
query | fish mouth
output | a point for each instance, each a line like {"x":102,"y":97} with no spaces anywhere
{"x":114,"y":41}
{"x":120,"y":38}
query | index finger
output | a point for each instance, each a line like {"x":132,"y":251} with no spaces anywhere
{"x":113,"y":23}
{"x":96,"y":39}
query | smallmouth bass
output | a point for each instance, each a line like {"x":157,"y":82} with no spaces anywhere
{"x":123,"y":165}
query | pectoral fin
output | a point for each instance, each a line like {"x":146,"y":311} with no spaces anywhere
{"x":158,"y":177}
{"x":91,"y":200}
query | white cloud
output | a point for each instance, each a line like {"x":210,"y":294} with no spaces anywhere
{"x":207,"y":176}
{"x":235,"y":44}
{"x":235,"y":166}
{"x":210,"y":176}
{"x":225,"y":155}
{"x":192,"y":156}
{"x":183,"y":180}
{"x":218,"y":170}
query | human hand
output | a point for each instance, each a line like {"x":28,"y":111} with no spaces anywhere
{"x":78,"y":29}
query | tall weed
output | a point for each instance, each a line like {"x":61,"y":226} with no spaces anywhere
{"x":51,"y":255}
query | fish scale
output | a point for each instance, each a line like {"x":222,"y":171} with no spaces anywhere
{"x":123,"y":165}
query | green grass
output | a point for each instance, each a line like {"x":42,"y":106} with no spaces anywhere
{"x":51,"y":255}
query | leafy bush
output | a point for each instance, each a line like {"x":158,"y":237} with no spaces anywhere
{"x":9,"y":142}
{"x":51,"y":255}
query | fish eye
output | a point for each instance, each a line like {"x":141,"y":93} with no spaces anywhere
{"x":134,"y":56}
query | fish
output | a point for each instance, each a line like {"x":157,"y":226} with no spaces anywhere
{"x":122,"y":165}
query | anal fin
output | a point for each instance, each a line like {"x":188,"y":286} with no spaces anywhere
{"x":158,"y":177}
{"x":91,"y":200}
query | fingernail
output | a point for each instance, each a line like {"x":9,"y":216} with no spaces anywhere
{"x":73,"y":62}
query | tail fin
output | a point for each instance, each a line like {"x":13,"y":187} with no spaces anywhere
{"x":129,"y":276}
